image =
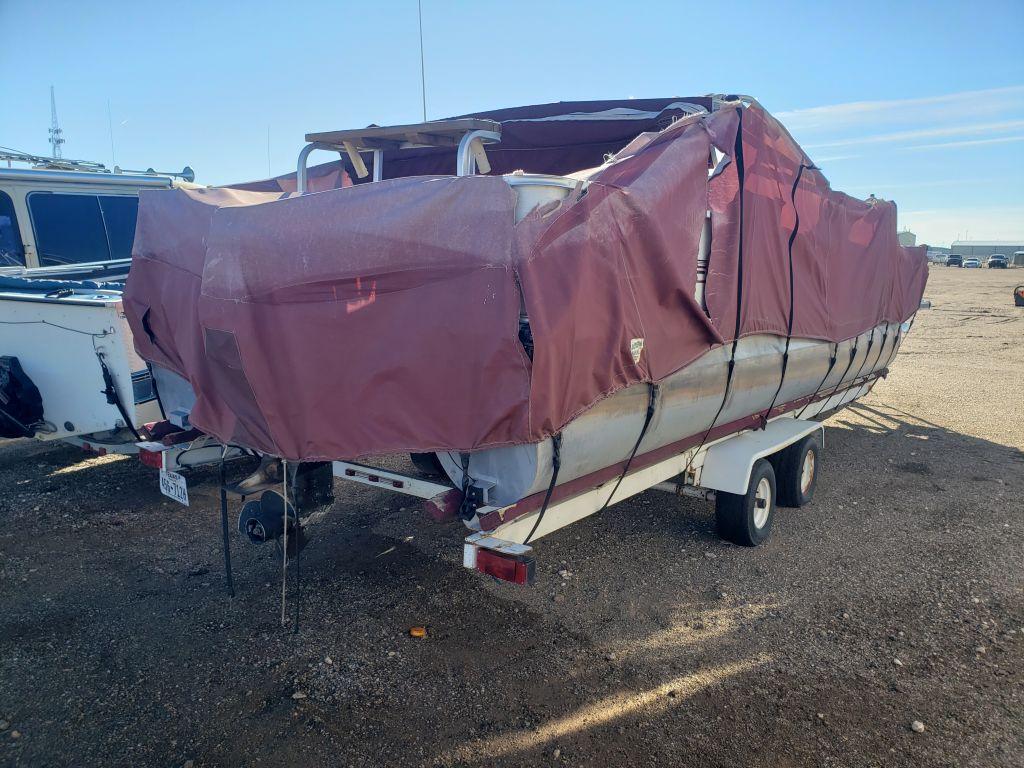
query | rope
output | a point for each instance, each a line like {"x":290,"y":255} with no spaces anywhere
{"x":284,"y":554}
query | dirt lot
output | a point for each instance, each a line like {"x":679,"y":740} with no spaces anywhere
{"x":898,"y":595}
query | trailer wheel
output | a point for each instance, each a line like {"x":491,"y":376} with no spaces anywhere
{"x":746,"y":519}
{"x":798,"y":471}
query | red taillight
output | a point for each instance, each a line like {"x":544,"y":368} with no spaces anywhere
{"x":518,"y":570}
{"x":153,"y":459}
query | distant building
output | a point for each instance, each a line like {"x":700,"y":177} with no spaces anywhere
{"x":907,"y":238}
{"x":982,"y":249}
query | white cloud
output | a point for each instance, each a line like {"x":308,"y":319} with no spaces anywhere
{"x":922,"y":133}
{"x":834,"y":158}
{"x":858,"y":114}
{"x":883,"y":186}
{"x":914,"y":128}
{"x":967,"y":143}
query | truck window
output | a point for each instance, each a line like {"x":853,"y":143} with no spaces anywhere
{"x":12,"y":250}
{"x":119,"y":215}
{"x":69,"y":228}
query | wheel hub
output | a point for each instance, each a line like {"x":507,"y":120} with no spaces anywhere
{"x":762,"y":502}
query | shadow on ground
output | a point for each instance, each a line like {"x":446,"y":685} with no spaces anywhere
{"x":895,"y":596}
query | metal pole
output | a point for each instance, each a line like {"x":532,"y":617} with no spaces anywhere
{"x":298,"y":573}
{"x":110,"y":126}
{"x":224,"y":527}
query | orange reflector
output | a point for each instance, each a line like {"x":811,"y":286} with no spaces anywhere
{"x":418,"y":632}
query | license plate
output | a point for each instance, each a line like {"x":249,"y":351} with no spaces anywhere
{"x":174,"y":486}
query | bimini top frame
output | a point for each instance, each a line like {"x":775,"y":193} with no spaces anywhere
{"x":467,"y":134}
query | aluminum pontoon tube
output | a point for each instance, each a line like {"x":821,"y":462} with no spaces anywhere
{"x":688,"y":401}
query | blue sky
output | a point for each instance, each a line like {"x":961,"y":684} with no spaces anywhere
{"x":922,"y":103}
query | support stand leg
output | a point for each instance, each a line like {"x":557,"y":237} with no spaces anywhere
{"x":224,"y":531}
{"x":298,"y":575}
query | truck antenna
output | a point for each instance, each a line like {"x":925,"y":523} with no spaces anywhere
{"x":423,"y":74}
{"x":56,"y":134}
{"x":110,"y":127}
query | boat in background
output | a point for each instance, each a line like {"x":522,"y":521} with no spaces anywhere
{"x":66,"y":233}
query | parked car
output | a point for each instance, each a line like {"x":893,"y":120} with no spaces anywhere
{"x":972,"y":263}
{"x":997,"y":261}
{"x":953,"y":260}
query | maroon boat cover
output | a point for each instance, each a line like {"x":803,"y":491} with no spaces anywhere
{"x":382,"y":318}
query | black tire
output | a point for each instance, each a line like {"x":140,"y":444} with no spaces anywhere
{"x":794,"y":489}
{"x":427,"y":463}
{"x":738,"y":515}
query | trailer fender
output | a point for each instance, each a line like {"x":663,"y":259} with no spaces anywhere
{"x":727,"y":464}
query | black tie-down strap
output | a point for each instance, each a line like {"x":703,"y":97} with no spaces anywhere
{"x":741,"y":175}
{"x":881,"y":348}
{"x":867,"y":354}
{"x":831,"y":364}
{"x":556,"y":460}
{"x":846,"y":370}
{"x":113,"y":398}
{"x":556,"y":463}
{"x":469,"y":499}
{"x":792,"y":303}
{"x":652,"y":401}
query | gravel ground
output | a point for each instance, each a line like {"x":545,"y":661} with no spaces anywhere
{"x":897,"y":596}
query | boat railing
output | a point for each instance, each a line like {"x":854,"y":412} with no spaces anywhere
{"x":467,"y":135}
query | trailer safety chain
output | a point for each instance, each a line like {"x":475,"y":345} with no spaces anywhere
{"x":556,"y":463}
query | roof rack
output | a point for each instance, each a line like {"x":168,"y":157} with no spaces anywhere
{"x":467,"y":134}
{"x":42,"y":163}
{"x":52,"y":163}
